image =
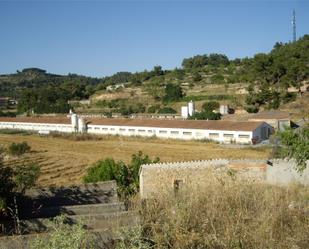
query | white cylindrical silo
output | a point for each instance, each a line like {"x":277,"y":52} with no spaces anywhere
{"x":184,"y":111}
{"x":74,"y":122}
{"x":224,"y":109}
{"x":81,"y":125}
{"x":191,"y":108}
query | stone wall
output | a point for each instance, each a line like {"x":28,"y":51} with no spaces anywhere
{"x":168,"y":177}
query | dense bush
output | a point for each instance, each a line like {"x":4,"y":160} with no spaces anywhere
{"x":206,"y":115}
{"x":17,"y":149}
{"x":126,"y":176}
{"x":196,"y":77}
{"x":210,"y":106}
{"x":7,"y":114}
{"x":153,"y":108}
{"x":296,"y":145}
{"x":15,"y":179}
{"x":173,"y":92}
{"x":167,"y":110}
{"x":6,"y":182}
{"x":251,"y":108}
{"x":126,"y":110}
{"x":25,"y":176}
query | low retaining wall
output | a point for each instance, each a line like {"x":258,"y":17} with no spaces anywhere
{"x":104,"y":192}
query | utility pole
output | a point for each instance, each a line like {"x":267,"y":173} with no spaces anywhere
{"x":294,"y":26}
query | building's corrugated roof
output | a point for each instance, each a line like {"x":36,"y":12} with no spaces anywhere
{"x":185,"y":124}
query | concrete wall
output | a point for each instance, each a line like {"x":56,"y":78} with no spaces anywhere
{"x":226,"y":136}
{"x":37,"y":126}
{"x":283,"y":172}
{"x":174,"y":133}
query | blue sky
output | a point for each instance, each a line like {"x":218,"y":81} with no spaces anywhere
{"x":99,"y":38}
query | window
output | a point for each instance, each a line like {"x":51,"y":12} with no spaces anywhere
{"x":213,"y":135}
{"x":112,"y":129}
{"x":122,"y":130}
{"x":174,"y":132}
{"x":149,"y":131}
{"x":228,"y":135}
{"x":243,"y":136}
{"x":97,"y":128}
{"x":163,"y":132}
{"x":187,"y":133}
{"x":131,"y":130}
{"x":104,"y":129}
{"x":142,"y":131}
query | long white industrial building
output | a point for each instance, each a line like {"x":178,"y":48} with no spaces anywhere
{"x":221,"y":131}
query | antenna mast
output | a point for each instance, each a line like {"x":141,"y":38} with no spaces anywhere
{"x":294,"y":26}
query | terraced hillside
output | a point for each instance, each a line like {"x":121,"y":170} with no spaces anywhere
{"x":64,"y":161}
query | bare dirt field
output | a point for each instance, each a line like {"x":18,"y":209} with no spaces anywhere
{"x":64,"y":161}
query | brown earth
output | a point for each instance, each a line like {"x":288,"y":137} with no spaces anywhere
{"x":64,"y":161}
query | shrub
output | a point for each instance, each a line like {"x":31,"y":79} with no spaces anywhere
{"x":6,"y":183}
{"x":210,"y":106}
{"x":167,"y":110}
{"x":65,"y":236}
{"x":252,"y":109}
{"x":296,"y":146}
{"x":126,"y":176}
{"x":173,"y":92}
{"x":197,"y":77}
{"x":17,"y":149}
{"x":153,"y":108}
{"x":26,"y":176}
{"x":206,"y":115}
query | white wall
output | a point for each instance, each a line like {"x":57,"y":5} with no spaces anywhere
{"x":36,"y":126}
{"x":283,"y":172}
{"x":243,"y":137}
{"x":176,"y":133}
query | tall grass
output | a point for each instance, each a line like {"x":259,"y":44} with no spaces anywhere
{"x":224,"y":213}
{"x":15,"y":132}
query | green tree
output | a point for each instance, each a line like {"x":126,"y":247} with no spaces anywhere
{"x":210,"y":106}
{"x":296,"y":146}
{"x":205,"y":115}
{"x":25,"y":176}
{"x":196,"y":77}
{"x":173,"y":92}
{"x":126,"y":176}
{"x":6,"y":182}
{"x":157,"y":71}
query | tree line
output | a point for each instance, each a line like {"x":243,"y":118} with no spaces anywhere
{"x":269,"y":75}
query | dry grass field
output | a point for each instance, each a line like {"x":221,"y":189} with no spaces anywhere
{"x":64,"y":161}
{"x":223,"y":212}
